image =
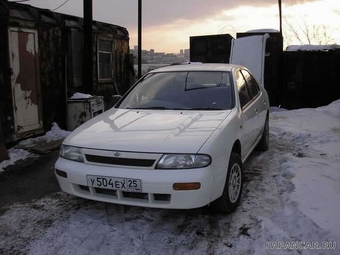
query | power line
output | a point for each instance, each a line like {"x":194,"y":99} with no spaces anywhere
{"x":60,"y":5}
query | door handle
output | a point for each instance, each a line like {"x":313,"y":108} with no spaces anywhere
{"x":256,"y":111}
{"x":264,"y":101}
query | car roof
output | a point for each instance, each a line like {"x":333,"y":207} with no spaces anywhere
{"x":195,"y":67}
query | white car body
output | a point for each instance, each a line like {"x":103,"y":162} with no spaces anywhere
{"x":133,"y":135}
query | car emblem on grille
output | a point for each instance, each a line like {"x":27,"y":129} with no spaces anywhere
{"x":117,"y":154}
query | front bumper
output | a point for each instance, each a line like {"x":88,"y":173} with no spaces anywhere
{"x":157,"y":185}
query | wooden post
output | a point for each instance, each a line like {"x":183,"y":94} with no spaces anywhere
{"x":4,"y":72}
{"x":139,"y":38}
{"x":88,"y":47}
{"x":280,"y":15}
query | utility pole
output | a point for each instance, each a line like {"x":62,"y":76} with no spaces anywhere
{"x":139,"y":38}
{"x":88,"y":47}
{"x":280,"y":61}
{"x":280,"y":15}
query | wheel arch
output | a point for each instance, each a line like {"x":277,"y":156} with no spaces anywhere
{"x":237,"y":147}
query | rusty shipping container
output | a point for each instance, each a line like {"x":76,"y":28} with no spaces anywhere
{"x":41,"y":67}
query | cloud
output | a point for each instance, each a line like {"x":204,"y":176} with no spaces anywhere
{"x":175,"y":35}
{"x":167,"y":25}
{"x":155,"y":12}
{"x":162,"y":12}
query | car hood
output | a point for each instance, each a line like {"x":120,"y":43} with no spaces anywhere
{"x":148,"y":130}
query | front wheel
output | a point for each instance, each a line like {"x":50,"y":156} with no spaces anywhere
{"x":231,"y":195}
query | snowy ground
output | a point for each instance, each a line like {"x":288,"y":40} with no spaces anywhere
{"x":17,"y":154}
{"x":291,"y":198}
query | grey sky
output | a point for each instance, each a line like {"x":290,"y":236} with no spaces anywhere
{"x":155,"y":12}
{"x":168,"y":24}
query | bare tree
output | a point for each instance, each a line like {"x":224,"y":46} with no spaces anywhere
{"x":305,"y":32}
{"x":299,"y":29}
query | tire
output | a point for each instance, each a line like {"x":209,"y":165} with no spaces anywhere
{"x":232,"y":192}
{"x":263,"y":144}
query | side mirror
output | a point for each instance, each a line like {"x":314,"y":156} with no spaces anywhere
{"x":115,"y":99}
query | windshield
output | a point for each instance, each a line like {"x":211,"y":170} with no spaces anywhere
{"x":181,"y":90}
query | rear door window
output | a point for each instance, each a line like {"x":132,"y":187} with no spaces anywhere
{"x":243,"y":92}
{"x":252,"y":84}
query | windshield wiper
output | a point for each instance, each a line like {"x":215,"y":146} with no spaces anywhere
{"x":205,"y":108}
{"x":155,"y":108}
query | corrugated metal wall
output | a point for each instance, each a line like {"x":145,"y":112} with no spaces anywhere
{"x":311,"y":78}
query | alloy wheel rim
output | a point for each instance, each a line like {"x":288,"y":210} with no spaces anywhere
{"x":234,"y":183}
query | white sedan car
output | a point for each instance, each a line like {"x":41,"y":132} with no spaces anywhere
{"x":176,"y":139}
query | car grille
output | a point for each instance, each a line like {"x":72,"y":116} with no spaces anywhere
{"x":116,"y":195}
{"x":120,"y":161}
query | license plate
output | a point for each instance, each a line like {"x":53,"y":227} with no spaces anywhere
{"x":105,"y":182}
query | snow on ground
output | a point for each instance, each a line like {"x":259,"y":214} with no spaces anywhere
{"x":313,"y":47}
{"x":314,"y":168}
{"x":79,"y":95}
{"x":291,"y":197}
{"x":16,"y":154}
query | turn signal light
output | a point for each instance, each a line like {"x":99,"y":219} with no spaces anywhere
{"x":61,"y":173}
{"x":187,"y":186}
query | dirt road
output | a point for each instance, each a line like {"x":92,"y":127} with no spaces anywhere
{"x":28,"y":180}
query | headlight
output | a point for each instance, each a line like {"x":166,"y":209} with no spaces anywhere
{"x":183,"y":161}
{"x":71,"y":153}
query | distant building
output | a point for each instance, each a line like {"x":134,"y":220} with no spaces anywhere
{"x":187,"y":53}
{"x":153,"y":57}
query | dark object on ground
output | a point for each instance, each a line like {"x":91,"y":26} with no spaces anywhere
{"x":3,"y":153}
